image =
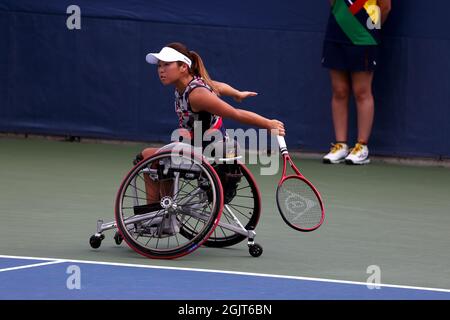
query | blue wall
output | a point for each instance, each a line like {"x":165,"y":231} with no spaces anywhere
{"x":94,"y":82}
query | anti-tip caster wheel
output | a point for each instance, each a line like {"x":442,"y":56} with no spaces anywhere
{"x":118,"y":238}
{"x":255,"y":250}
{"x":95,"y":241}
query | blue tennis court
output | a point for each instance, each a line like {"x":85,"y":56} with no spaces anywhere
{"x":56,"y":279}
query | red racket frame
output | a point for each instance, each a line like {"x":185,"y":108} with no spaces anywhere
{"x":298,"y":175}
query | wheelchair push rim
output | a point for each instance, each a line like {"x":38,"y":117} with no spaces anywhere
{"x":201,"y":210}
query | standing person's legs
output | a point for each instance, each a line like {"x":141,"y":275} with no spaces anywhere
{"x":341,"y":88}
{"x":362,"y":90}
{"x":340,"y":85}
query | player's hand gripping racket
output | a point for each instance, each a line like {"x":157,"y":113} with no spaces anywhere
{"x":299,"y":202}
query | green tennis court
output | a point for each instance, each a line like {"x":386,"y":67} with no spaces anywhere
{"x":392,"y":216}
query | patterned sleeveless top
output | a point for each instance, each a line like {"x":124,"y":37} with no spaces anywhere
{"x":187,"y":117}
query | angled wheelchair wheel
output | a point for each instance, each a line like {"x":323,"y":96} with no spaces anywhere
{"x":242,"y":201}
{"x":190,"y":196}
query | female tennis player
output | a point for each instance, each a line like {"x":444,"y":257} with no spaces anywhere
{"x":197,"y":98}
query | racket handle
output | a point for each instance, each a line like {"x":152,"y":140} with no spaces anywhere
{"x":282,"y":143}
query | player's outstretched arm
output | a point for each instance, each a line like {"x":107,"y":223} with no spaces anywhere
{"x":202,"y":99}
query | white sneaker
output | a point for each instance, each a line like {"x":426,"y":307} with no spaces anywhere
{"x":337,"y":153}
{"x":358,"y":155}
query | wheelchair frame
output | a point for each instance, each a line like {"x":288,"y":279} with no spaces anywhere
{"x":157,"y":217}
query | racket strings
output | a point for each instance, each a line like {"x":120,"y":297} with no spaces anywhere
{"x":299,"y":204}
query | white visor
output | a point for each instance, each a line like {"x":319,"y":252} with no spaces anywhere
{"x":167,"y":54}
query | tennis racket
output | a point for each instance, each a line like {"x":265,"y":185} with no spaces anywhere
{"x":298,"y":201}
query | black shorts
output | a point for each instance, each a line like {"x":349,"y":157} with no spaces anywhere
{"x":348,"y":57}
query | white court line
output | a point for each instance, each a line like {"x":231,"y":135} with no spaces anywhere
{"x":117,"y":264}
{"x":32,"y":265}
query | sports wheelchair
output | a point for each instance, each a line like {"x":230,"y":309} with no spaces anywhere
{"x":213,"y":202}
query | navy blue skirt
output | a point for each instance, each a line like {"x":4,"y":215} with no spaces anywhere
{"x":348,"y":57}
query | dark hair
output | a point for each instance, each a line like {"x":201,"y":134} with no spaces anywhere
{"x":197,"y":69}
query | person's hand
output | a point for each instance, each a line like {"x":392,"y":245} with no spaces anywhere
{"x":277,"y":128}
{"x":241,"y":95}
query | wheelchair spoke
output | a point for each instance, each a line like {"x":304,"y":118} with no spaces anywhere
{"x":138,"y":189}
{"x":237,"y":205}
{"x":189,"y":204}
{"x":157,"y":242}
{"x":195,"y":228}
{"x":176,"y":238}
{"x":180,"y":189}
{"x":215,"y":233}
{"x":221,"y":229}
{"x":134,"y":197}
{"x":139,"y":176}
{"x":225,"y":214}
{"x":243,"y":188}
{"x":187,"y":222}
{"x":185,"y":183}
{"x":149,"y":238}
{"x":249,"y":197}
{"x":198,"y":220}
{"x":248,"y":217}
{"x":195,"y":187}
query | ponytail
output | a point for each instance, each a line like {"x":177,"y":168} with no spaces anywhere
{"x":198,"y":68}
